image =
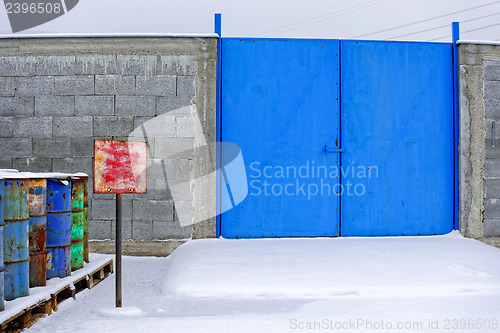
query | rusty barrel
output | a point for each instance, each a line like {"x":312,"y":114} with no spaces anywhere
{"x":77,"y":222}
{"x":58,"y":228}
{"x":16,"y":236}
{"x":2,"y":267}
{"x":38,"y":232}
{"x":86,"y":221}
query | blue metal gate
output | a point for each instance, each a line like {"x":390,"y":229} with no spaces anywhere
{"x":339,"y":138}
{"x":397,"y":121}
{"x":274,"y":94}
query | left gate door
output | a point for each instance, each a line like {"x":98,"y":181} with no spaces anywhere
{"x":280,"y":104}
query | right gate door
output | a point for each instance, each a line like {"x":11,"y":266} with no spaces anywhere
{"x":397,"y":132}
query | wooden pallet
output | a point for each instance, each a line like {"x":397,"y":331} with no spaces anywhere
{"x":27,"y":317}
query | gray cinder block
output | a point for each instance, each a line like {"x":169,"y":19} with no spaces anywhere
{"x":492,"y":70}
{"x":8,"y":86}
{"x":114,"y":85}
{"x":163,"y":85}
{"x":94,"y":105}
{"x":113,"y":126}
{"x":492,"y":227}
{"x":140,"y":65}
{"x":149,"y":210}
{"x":36,"y":164}
{"x":73,"y":164}
{"x":15,"y":147}
{"x":6,"y":127}
{"x":186,"y":86}
{"x":72,"y":127}
{"x":135,"y":105}
{"x":168,"y":230}
{"x":96,"y":64}
{"x":492,"y":90}
{"x":55,"y":65}
{"x":55,"y":106}
{"x":106,"y":209}
{"x":37,"y":127}
{"x":174,"y":106}
{"x":17,"y":66}
{"x":185,"y":127}
{"x":35,"y":86}
{"x":492,"y":188}
{"x":142,"y":230}
{"x":52,"y":147}
{"x":99,"y":229}
{"x":174,"y":148}
{"x":17,"y":106}
{"x":74,"y":85}
{"x":177,"y":65}
{"x":82,"y":147}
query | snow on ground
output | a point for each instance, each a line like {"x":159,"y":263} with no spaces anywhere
{"x":400,"y":284}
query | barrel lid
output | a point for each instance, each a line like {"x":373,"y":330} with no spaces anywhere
{"x":13,"y":175}
{"x":9,"y":170}
{"x":39,"y":175}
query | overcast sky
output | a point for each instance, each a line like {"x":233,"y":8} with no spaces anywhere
{"x":363,"y":19}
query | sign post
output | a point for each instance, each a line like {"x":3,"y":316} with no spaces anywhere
{"x":119,"y":167}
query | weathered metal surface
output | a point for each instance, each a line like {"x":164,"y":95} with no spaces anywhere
{"x":2,"y":267}
{"x":77,"y":222}
{"x":38,"y":269}
{"x":86,"y":236}
{"x":119,"y":166}
{"x":58,"y":228}
{"x":38,"y":232}
{"x":284,"y":121}
{"x":86,"y":221}
{"x":16,"y":240}
{"x":58,"y":195}
{"x":58,"y":261}
{"x":37,"y":197}
{"x":397,"y":120}
{"x":77,"y":194}
{"x":16,"y":199}
{"x":76,"y":254}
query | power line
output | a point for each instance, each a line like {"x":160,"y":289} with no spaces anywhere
{"x":444,"y":26}
{"x":426,"y":20}
{"x":321,"y":18}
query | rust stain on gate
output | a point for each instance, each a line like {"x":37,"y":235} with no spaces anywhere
{"x":119,"y":166}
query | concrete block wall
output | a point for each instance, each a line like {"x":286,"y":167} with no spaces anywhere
{"x":479,"y":148}
{"x":59,"y":94}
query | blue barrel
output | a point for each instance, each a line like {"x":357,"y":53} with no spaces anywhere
{"x":16,"y":236}
{"x":2,"y":267}
{"x":58,"y":228}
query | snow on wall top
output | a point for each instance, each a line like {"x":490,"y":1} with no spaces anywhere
{"x":97,"y":35}
{"x":484,"y":42}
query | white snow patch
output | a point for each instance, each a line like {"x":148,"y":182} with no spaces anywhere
{"x":123,"y":312}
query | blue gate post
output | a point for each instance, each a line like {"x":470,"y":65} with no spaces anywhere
{"x":218,"y":31}
{"x":456,"y":117}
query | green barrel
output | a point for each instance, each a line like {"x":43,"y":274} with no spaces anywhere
{"x":86,"y":221}
{"x":77,"y":222}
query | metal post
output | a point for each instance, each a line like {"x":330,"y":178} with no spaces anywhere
{"x":456,"y":116}
{"x":218,"y":31}
{"x":119,"y":250}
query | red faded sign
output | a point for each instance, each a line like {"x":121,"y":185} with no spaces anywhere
{"x":119,"y":166}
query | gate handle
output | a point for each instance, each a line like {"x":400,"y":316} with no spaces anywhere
{"x":335,"y":150}
{"x":493,"y":135}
